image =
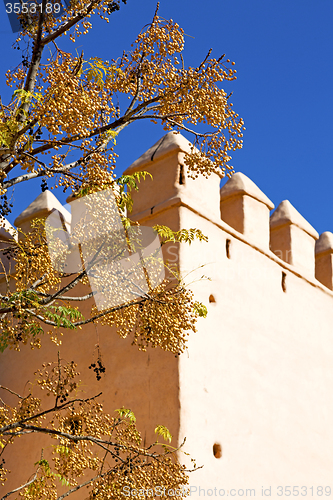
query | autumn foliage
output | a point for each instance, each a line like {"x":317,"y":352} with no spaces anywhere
{"x":63,"y":107}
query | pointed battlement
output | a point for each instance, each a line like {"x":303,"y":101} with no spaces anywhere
{"x":8,"y":235}
{"x":246,"y":208}
{"x":7,"y":231}
{"x":165,"y":146}
{"x":170,"y":184}
{"x":266,"y":343}
{"x":292,"y":237}
{"x":242,"y":206}
{"x":40,"y":208}
{"x":324,"y":259}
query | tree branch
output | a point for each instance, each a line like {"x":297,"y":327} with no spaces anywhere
{"x":12,"y":392}
{"x":120,"y":123}
{"x":90,"y":320}
{"x":98,"y":441}
{"x":79,"y":486}
{"x":36,"y":57}
{"x":21,"y":487}
{"x":5,"y":430}
{"x":31,"y":76}
{"x":68,"y":297}
{"x":49,"y":38}
{"x":99,"y":130}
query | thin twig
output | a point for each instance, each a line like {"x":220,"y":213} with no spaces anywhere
{"x":24,"y":485}
{"x":7,"y":428}
{"x":12,"y":392}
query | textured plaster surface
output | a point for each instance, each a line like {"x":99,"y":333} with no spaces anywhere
{"x":258,"y":374}
{"x":257,"y":377}
{"x":287,"y":214}
{"x":240,"y":184}
{"x":248,"y":216}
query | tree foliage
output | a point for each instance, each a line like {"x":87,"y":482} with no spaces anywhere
{"x":65,"y":106}
{"x":85,"y":441}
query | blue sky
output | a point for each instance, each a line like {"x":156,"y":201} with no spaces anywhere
{"x":284,"y":59}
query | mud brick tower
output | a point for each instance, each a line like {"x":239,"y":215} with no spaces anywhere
{"x":253,"y":392}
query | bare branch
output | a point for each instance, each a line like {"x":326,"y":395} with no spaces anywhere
{"x":197,"y":134}
{"x":37,"y":282}
{"x":12,"y":392}
{"x":32,"y":74}
{"x":79,"y":486}
{"x":36,"y":57}
{"x":65,"y":27}
{"x":40,"y":173}
{"x":21,"y":487}
{"x":5,"y":430}
{"x":5,"y":274}
{"x":68,"y":297}
{"x":86,"y":321}
{"x":204,"y":61}
{"x":138,"y":87}
{"x":98,"y":441}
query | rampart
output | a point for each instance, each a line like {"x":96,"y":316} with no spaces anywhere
{"x":256,"y":382}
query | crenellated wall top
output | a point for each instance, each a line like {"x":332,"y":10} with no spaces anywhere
{"x":243,"y":207}
{"x":240,"y":184}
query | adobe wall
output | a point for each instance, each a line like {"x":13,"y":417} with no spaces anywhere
{"x":257,"y":378}
{"x":146,"y":382}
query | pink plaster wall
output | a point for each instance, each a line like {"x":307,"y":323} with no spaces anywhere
{"x":257,"y":378}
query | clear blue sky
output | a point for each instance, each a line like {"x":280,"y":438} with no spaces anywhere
{"x":284,"y":58}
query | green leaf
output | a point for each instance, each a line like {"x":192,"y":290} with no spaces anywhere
{"x":64,"y":450}
{"x":35,"y":329}
{"x":26,"y":96}
{"x":62,"y":479}
{"x":164,"y":432}
{"x":3,"y":341}
{"x":126,"y":413}
{"x":43,"y":463}
{"x":184,"y":235}
{"x":131,"y":181}
{"x":113,"y":134}
{"x":200,"y":309}
{"x":63,"y":316}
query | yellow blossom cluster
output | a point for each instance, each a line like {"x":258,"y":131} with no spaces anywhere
{"x":164,"y":319}
{"x":62,"y":123}
{"x":90,"y":448}
{"x":77,"y":105}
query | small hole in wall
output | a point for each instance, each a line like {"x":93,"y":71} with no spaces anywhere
{"x":212,"y":298}
{"x":283,"y":282}
{"x":227,"y":248}
{"x":217,"y":450}
{"x":181,"y":174}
